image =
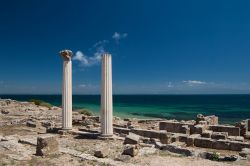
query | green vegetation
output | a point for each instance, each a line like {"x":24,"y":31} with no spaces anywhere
{"x":214,"y":157}
{"x":41,"y":103}
{"x":85,"y":112}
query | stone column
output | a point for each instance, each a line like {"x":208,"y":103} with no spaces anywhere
{"x":67,"y":90}
{"x":106,"y":97}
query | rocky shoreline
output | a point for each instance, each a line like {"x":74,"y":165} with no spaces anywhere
{"x":31,"y":134}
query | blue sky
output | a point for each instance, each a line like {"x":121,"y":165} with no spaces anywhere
{"x":158,"y":47}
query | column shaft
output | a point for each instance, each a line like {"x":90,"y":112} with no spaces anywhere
{"x":67,"y":95}
{"x":106,"y":97}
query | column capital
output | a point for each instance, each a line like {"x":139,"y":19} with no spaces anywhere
{"x":66,"y":54}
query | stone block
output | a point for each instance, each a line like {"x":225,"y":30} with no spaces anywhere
{"x":121,"y":130}
{"x":236,"y":138}
{"x":210,"y":120}
{"x":231,"y":130}
{"x":219,"y":135}
{"x":132,"y":139}
{"x":207,"y":134}
{"x":238,"y":146}
{"x":31,"y":123}
{"x":164,"y":137}
{"x":178,"y":150}
{"x":46,"y":144}
{"x":248,"y":125}
{"x":245,"y":152}
{"x":203,"y":142}
{"x":174,"y":127}
{"x":183,"y":137}
{"x":101,"y":153}
{"x":221,"y":145}
{"x":199,"y":129}
{"x":130,"y":150}
{"x":190,"y":139}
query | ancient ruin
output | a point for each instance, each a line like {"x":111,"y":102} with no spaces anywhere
{"x":106,"y":97}
{"x":29,"y":130}
{"x":67,"y":90}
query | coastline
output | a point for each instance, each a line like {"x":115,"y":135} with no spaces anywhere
{"x":230,"y":108}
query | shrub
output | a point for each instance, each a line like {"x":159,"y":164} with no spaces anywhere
{"x":85,"y":112}
{"x":41,"y":103}
{"x":214,"y":156}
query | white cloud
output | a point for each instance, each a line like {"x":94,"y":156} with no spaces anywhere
{"x":117,"y":36}
{"x":194,"y":82}
{"x":88,"y":61}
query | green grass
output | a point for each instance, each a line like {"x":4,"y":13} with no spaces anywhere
{"x":41,"y":103}
{"x":85,"y":112}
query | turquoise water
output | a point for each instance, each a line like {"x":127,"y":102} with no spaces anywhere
{"x":229,"y":108}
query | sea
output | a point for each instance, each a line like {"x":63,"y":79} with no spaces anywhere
{"x":229,"y":108}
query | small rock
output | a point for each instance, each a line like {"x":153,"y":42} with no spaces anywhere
{"x":30,"y":123}
{"x":46,"y":144}
{"x":245,"y":152}
{"x":132,"y":139}
{"x":5,"y":112}
{"x":131,"y":150}
{"x":228,"y":158}
{"x":101,"y":153}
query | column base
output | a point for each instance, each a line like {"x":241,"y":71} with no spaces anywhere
{"x":106,"y":137}
{"x":67,"y":128}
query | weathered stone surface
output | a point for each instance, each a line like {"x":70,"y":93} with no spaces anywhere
{"x":245,"y":152}
{"x":147,"y":133}
{"x":206,"y":134}
{"x":19,"y":152}
{"x":85,"y":156}
{"x":231,"y":130}
{"x":131,"y":150}
{"x":31,"y":123}
{"x":121,"y":130}
{"x":132,"y":139}
{"x":123,"y":158}
{"x":46,"y":144}
{"x":203,"y":142}
{"x":158,"y":145}
{"x":190,"y":139}
{"x":183,"y":137}
{"x":4,"y":111}
{"x":236,"y":138}
{"x":210,"y":120}
{"x":230,"y":145}
{"x":228,"y":158}
{"x":198,"y":129}
{"x":221,"y":145}
{"x":248,"y":125}
{"x":219,"y":135}
{"x":174,"y":127}
{"x":178,"y":150}
{"x":101,"y":153}
{"x":238,"y":146}
{"x":162,"y":134}
{"x":146,"y":151}
{"x":28,"y":139}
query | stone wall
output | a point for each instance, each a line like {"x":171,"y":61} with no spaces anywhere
{"x":231,"y":130}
